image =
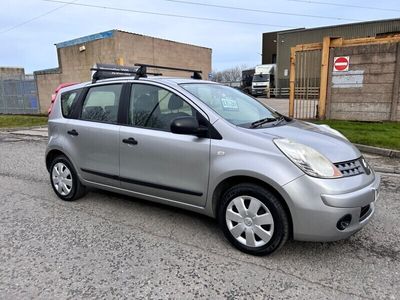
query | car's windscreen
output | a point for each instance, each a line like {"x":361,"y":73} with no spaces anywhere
{"x":233,"y":105}
{"x":261,"y":78}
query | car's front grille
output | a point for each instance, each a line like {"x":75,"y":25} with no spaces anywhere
{"x":365,"y":212}
{"x":350,"y":168}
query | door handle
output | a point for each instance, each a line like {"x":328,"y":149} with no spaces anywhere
{"x":130,"y":141}
{"x":73,"y":132}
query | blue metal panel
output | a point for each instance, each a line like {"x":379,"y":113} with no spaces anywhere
{"x":85,"y":39}
{"x":34,"y":102}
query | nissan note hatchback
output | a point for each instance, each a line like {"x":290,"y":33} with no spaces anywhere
{"x":213,"y":150}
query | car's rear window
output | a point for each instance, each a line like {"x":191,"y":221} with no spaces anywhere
{"x":67,"y":101}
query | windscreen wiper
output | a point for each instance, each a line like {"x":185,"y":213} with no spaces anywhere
{"x":280,"y":120}
{"x":261,"y":122}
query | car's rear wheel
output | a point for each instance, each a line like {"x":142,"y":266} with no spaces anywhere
{"x":64,"y":179}
{"x":253,"y":219}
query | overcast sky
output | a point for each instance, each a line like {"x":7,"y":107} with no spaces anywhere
{"x":31,"y":45}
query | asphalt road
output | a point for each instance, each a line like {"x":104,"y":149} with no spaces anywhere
{"x":110,"y":246}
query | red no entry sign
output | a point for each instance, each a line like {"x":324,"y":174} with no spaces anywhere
{"x":341,"y":63}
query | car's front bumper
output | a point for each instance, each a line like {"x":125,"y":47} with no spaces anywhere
{"x":317,"y":205}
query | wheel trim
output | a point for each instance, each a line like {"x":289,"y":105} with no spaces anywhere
{"x":62,"y":179}
{"x":249,"y":221}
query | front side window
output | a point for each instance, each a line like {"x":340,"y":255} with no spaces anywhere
{"x":155,"y":107}
{"x":101,"y":104}
{"x":67,"y":100}
{"x":231,"y":104}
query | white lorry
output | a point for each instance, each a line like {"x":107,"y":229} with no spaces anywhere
{"x":263,"y":80}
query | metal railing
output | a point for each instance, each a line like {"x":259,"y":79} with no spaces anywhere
{"x":18,"y":95}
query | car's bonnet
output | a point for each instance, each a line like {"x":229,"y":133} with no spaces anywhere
{"x":332,"y":146}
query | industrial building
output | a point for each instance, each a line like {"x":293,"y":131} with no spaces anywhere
{"x":276,"y":45}
{"x":77,"y":56}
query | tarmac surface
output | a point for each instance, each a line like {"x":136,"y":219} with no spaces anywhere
{"x":110,"y":246}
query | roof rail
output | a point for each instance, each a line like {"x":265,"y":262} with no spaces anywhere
{"x":104,"y":71}
{"x":142,"y":71}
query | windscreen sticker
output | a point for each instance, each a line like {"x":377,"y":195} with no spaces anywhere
{"x":229,"y":104}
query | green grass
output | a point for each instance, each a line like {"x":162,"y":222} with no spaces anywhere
{"x":12,"y":121}
{"x":382,"y":134}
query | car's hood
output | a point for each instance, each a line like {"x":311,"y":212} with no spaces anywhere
{"x":334,"y":147}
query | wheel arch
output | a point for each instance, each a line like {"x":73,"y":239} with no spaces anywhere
{"x":234,"y":180}
{"x":52,"y":154}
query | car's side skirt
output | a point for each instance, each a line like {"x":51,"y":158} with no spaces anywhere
{"x":143,"y":183}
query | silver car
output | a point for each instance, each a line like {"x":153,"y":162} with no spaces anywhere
{"x":213,"y":150}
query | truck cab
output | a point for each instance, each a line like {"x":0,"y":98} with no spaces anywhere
{"x":263,"y":80}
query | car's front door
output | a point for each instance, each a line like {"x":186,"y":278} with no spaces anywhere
{"x":156,"y":162}
{"x":93,"y":136}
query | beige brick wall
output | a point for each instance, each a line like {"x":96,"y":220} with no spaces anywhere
{"x":74,"y":65}
{"x":135,"y":48}
{"x":46,"y":84}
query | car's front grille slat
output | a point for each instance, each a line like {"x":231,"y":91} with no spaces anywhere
{"x":350,"y":168}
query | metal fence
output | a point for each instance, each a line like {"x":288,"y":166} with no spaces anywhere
{"x":18,"y":95}
{"x":234,"y":84}
{"x":307,"y":84}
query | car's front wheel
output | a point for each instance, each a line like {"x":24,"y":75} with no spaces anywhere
{"x":253,"y":219}
{"x":64,"y":179}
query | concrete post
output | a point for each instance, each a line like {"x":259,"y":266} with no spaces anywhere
{"x":396,"y":86}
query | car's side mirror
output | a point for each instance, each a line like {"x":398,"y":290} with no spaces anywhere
{"x":188,"y":125}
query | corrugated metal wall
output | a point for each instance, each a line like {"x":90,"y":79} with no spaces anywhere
{"x":286,"y":40}
{"x":269,"y":41}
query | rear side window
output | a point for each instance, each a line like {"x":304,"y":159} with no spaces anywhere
{"x":67,"y":100}
{"x":101,"y":104}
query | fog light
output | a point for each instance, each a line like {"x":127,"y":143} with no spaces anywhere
{"x":343,"y":222}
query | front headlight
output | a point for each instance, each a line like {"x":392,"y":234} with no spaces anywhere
{"x":307,"y":159}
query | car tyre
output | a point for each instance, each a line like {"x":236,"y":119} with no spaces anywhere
{"x":64,"y":179}
{"x":253,"y":219}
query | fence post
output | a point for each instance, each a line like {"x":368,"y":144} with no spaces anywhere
{"x":324,"y":76}
{"x":396,"y":86}
{"x":291,"y":80}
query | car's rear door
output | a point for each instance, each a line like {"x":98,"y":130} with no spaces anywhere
{"x":156,"y":162}
{"x":93,"y":135}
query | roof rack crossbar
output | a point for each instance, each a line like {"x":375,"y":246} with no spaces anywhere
{"x":115,"y":72}
{"x":103,"y":71}
{"x":112,"y":70}
{"x":142,"y":71}
{"x":124,"y":71}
